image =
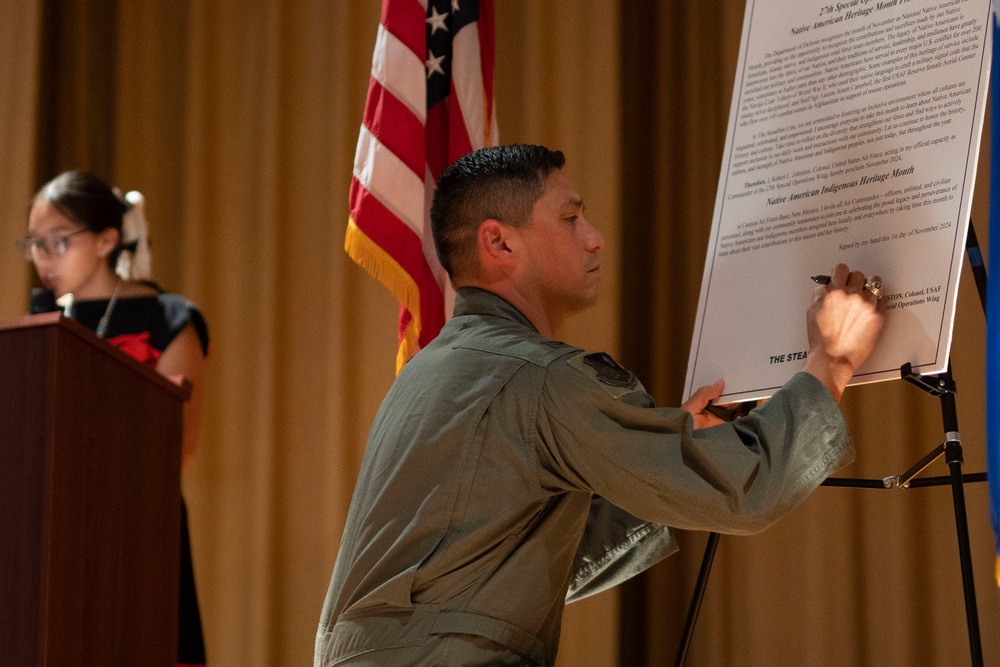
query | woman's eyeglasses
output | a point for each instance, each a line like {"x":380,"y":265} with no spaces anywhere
{"x":53,"y":245}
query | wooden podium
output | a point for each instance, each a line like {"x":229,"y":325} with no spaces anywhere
{"x":90,"y":450}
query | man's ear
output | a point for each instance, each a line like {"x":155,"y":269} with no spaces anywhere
{"x":492,"y":241}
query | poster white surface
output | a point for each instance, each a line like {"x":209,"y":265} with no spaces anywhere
{"x":853,"y":136}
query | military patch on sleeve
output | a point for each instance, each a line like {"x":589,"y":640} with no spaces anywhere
{"x":610,"y":371}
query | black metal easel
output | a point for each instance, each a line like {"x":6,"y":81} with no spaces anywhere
{"x":942,"y":386}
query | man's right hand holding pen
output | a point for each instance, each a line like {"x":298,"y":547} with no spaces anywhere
{"x":843,"y":324}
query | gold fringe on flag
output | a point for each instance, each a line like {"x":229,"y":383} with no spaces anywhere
{"x":382,"y":267}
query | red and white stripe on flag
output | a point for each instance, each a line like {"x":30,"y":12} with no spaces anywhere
{"x":430,"y":101}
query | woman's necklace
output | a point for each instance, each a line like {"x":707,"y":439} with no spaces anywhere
{"x":102,"y":326}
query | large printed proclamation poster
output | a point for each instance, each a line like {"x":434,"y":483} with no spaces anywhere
{"x":853,"y":136}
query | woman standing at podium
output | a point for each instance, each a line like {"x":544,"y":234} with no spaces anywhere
{"x":90,"y":249}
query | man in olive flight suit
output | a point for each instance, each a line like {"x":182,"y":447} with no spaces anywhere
{"x":507,"y":473}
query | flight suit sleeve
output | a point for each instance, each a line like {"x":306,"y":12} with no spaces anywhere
{"x":597,"y":431}
{"x":616,"y":546}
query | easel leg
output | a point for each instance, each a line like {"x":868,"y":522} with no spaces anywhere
{"x":697,"y":596}
{"x":953,"y":456}
{"x":943,"y":386}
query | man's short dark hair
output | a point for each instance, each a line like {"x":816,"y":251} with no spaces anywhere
{"x":500,"y":183}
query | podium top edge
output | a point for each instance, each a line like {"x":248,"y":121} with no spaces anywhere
{"x":28,"y":321}
{"x":58,"y":320}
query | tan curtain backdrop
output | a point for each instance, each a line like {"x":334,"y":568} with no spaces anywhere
{"x":20,"y":22}
{"x":238,"y":121}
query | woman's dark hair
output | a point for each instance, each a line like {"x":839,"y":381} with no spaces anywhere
{"x":86,"y":199}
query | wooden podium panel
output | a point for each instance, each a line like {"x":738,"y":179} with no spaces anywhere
{"x":90,"y":446}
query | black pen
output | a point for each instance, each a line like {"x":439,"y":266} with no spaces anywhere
{"x":821,"y":280}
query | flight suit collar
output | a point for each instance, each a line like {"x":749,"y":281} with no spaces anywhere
{"x":477,"y":301}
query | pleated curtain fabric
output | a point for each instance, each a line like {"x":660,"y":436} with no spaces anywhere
{"x":239,"y":123}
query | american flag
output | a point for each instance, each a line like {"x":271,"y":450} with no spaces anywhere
{"x":430,"y":101}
